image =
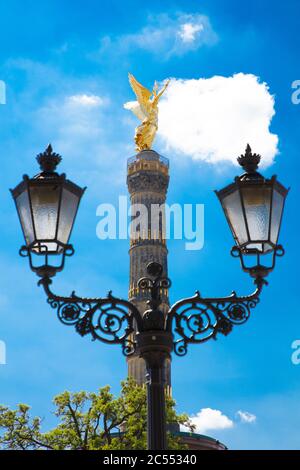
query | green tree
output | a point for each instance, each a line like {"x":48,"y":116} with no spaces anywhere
{"x":88,"y":421}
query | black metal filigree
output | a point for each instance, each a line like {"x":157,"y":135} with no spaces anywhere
{"x":44,"y":269}
{"x":153,"y":318}
{"x":116,"y":321}
{"x":155,"y":283}
{"x":110,"y":320}
{"x":196,"y":319}
{"x":258,"y":269}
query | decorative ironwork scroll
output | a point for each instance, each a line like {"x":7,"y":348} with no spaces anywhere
{"x":110,"y":320}
{"x":196,"y":319}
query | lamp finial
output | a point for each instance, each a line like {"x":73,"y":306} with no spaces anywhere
{"x":48,"y":160}
{"x":249,"y":161}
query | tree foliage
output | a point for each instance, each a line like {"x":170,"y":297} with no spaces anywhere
{"x":87,"y":421}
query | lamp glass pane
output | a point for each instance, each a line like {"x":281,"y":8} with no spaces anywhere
{"x":44,"y":201}
{"x":257,"y":202}
{"x":23,"y":207}
{"x":46,"y":247}
{"x":68,"y":209}
{"x":277,"y":208}
{"x":234,"y":212}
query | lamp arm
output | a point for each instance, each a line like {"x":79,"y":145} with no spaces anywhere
{"x":233,"y":297}
{"x":197,"y":319}
{"x":110,"y":320}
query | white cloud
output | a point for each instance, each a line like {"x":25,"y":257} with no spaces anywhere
{"x":77,"y":125}
{"x":82,"y":128}
{"x":213,"y":119}
{"x":80,"y":120}
{"x":246,"y":417}
{"x":73,"y":117}
{"x":209,"y":420}
{"x":188,"y":31}
{"x":86,"y":100}
{"x":165,"y":36}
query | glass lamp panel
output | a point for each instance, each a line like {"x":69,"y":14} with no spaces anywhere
{"x":257,"y":202}
{"x":23,"y":207}
{"x":234,"y":212}
{"x":262,"y":247}
{"x":277,"y":208}
{"x":255,"y":246}
{"x":46,"y":247}
{"x":68,"y":209}
{"x":45,"y":202}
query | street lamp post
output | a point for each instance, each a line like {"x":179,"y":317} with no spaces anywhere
{"x":47,"y":205}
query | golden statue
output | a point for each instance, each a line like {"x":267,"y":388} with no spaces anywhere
{"x":146,"y":109}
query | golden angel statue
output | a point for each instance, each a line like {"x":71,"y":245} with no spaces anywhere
{"x":146,"y":109}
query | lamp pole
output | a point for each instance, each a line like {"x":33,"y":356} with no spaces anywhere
{"x":47,"y":205}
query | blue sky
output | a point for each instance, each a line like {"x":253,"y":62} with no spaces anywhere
{"x":52,"y":52}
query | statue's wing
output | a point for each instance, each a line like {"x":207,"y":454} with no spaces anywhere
{"x":142,"y":93}
{"x":135,"y":107}
{"x":156,"y":99}
{"x":163,"y":88}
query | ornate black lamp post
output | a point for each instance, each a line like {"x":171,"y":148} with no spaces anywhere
{"x":47,"y":205}
{"x":254,"y":207}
